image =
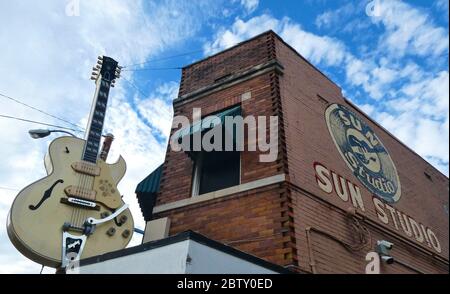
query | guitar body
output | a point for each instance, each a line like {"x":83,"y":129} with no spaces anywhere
{"x":36,"y":218}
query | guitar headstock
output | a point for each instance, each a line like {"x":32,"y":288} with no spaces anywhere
{"x":106,"y":69}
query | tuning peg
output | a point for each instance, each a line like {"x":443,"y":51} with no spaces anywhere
{"x":97,"y":66}
{"x":100,"y":57}
{"x":93,"y":77}
{"x":94,"y":69}
{"x":99,"y":62}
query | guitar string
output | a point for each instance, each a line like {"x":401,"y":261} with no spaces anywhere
{"x":75,"y":210}
{"x":80,"y":185}
{"x":83,"y":176}
{"x":87,"y":185}
{"x":83,"y":213}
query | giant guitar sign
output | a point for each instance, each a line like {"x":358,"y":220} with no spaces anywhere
{"x":363,"y":153}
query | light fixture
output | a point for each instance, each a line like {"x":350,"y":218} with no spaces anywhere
{"x":42,"y":133}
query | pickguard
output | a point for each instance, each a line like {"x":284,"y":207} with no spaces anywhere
{"x":46,"y":195}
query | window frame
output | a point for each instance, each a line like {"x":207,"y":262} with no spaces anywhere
{"x":196,"y":174}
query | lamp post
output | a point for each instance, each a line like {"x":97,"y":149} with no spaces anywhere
{"x":41,"y":133}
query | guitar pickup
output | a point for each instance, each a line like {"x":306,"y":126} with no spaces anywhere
{"x":86,"y":168}
{"x":79,"y":192}
{"x":80,"y":203}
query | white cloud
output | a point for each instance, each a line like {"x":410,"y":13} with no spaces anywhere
{"x":410,"y":31}
{"x":250,"y":5}
{"x":239,"y":32}
{"x":157,"y":109}
{"x":46,"y":60}
{"x":402,"y":95}
{"x":316,"y":48}
{"x":332,"y":17}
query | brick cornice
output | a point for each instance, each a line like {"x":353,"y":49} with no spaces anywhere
{"x":272,"y":65}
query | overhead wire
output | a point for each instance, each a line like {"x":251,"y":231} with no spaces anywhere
{"x":152,"y":68}
{"x":7,"y":188}
{"x":40,"y":123}
{"x":39,"y":110}
{"x":165,"y":58}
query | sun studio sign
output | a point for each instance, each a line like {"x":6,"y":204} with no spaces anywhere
{"x":371,"y":164}
{"x":363,"y":153}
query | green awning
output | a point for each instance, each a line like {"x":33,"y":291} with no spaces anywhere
{"x":151,"y":183}
{"x":207,"y":123}
{"x":147,"y":190}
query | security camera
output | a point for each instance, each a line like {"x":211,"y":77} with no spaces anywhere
{"x":387,"y":259}
{"x":386,"y":244}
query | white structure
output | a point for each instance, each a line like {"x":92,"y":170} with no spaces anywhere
{"x":185,"y":253}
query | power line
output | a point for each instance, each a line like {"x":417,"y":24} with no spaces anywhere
{"x":39,"y":123}
{"x":165,"y":58}
{"x":41,"y":111}
{"x":10,"y":189}
{"x":152,"y":68}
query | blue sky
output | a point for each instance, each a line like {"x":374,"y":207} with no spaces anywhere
{"x":410,"y":39}
{"x":393,"y":64}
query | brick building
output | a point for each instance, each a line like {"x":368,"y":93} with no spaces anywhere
{"x":326,"y":200}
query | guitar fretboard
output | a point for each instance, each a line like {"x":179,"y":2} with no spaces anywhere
{"x":97,"y":117}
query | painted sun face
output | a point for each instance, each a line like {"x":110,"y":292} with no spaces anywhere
{"x":363,"y":153}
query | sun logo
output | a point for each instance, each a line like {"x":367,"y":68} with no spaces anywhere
{"x":363,"y":153}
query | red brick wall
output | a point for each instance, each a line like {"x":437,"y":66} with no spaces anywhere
{"x":232,"y":61}
{"x":275,"y":218}
{"x":249,"y":221}
{"x":178,"y":167}
{"x":308,"y":141}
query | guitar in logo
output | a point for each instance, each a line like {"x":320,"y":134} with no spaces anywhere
{"x":363,"y":153}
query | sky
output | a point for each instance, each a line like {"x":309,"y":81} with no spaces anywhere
{"x":391,"y":60}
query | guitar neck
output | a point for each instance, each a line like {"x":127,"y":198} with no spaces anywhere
{"x":96,"y":120}
{"x":104,"y":73}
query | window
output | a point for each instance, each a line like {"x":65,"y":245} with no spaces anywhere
{"x":215,"y":170}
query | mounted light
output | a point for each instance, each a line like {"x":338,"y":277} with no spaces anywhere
{"x":39,"y":133}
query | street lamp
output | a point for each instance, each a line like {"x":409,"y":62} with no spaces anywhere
{"x":41,"y":133}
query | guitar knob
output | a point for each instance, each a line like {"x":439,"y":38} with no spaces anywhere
{"x":126,"y":233}
{"x":123,"y":219}
{"x":111,"y":231}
